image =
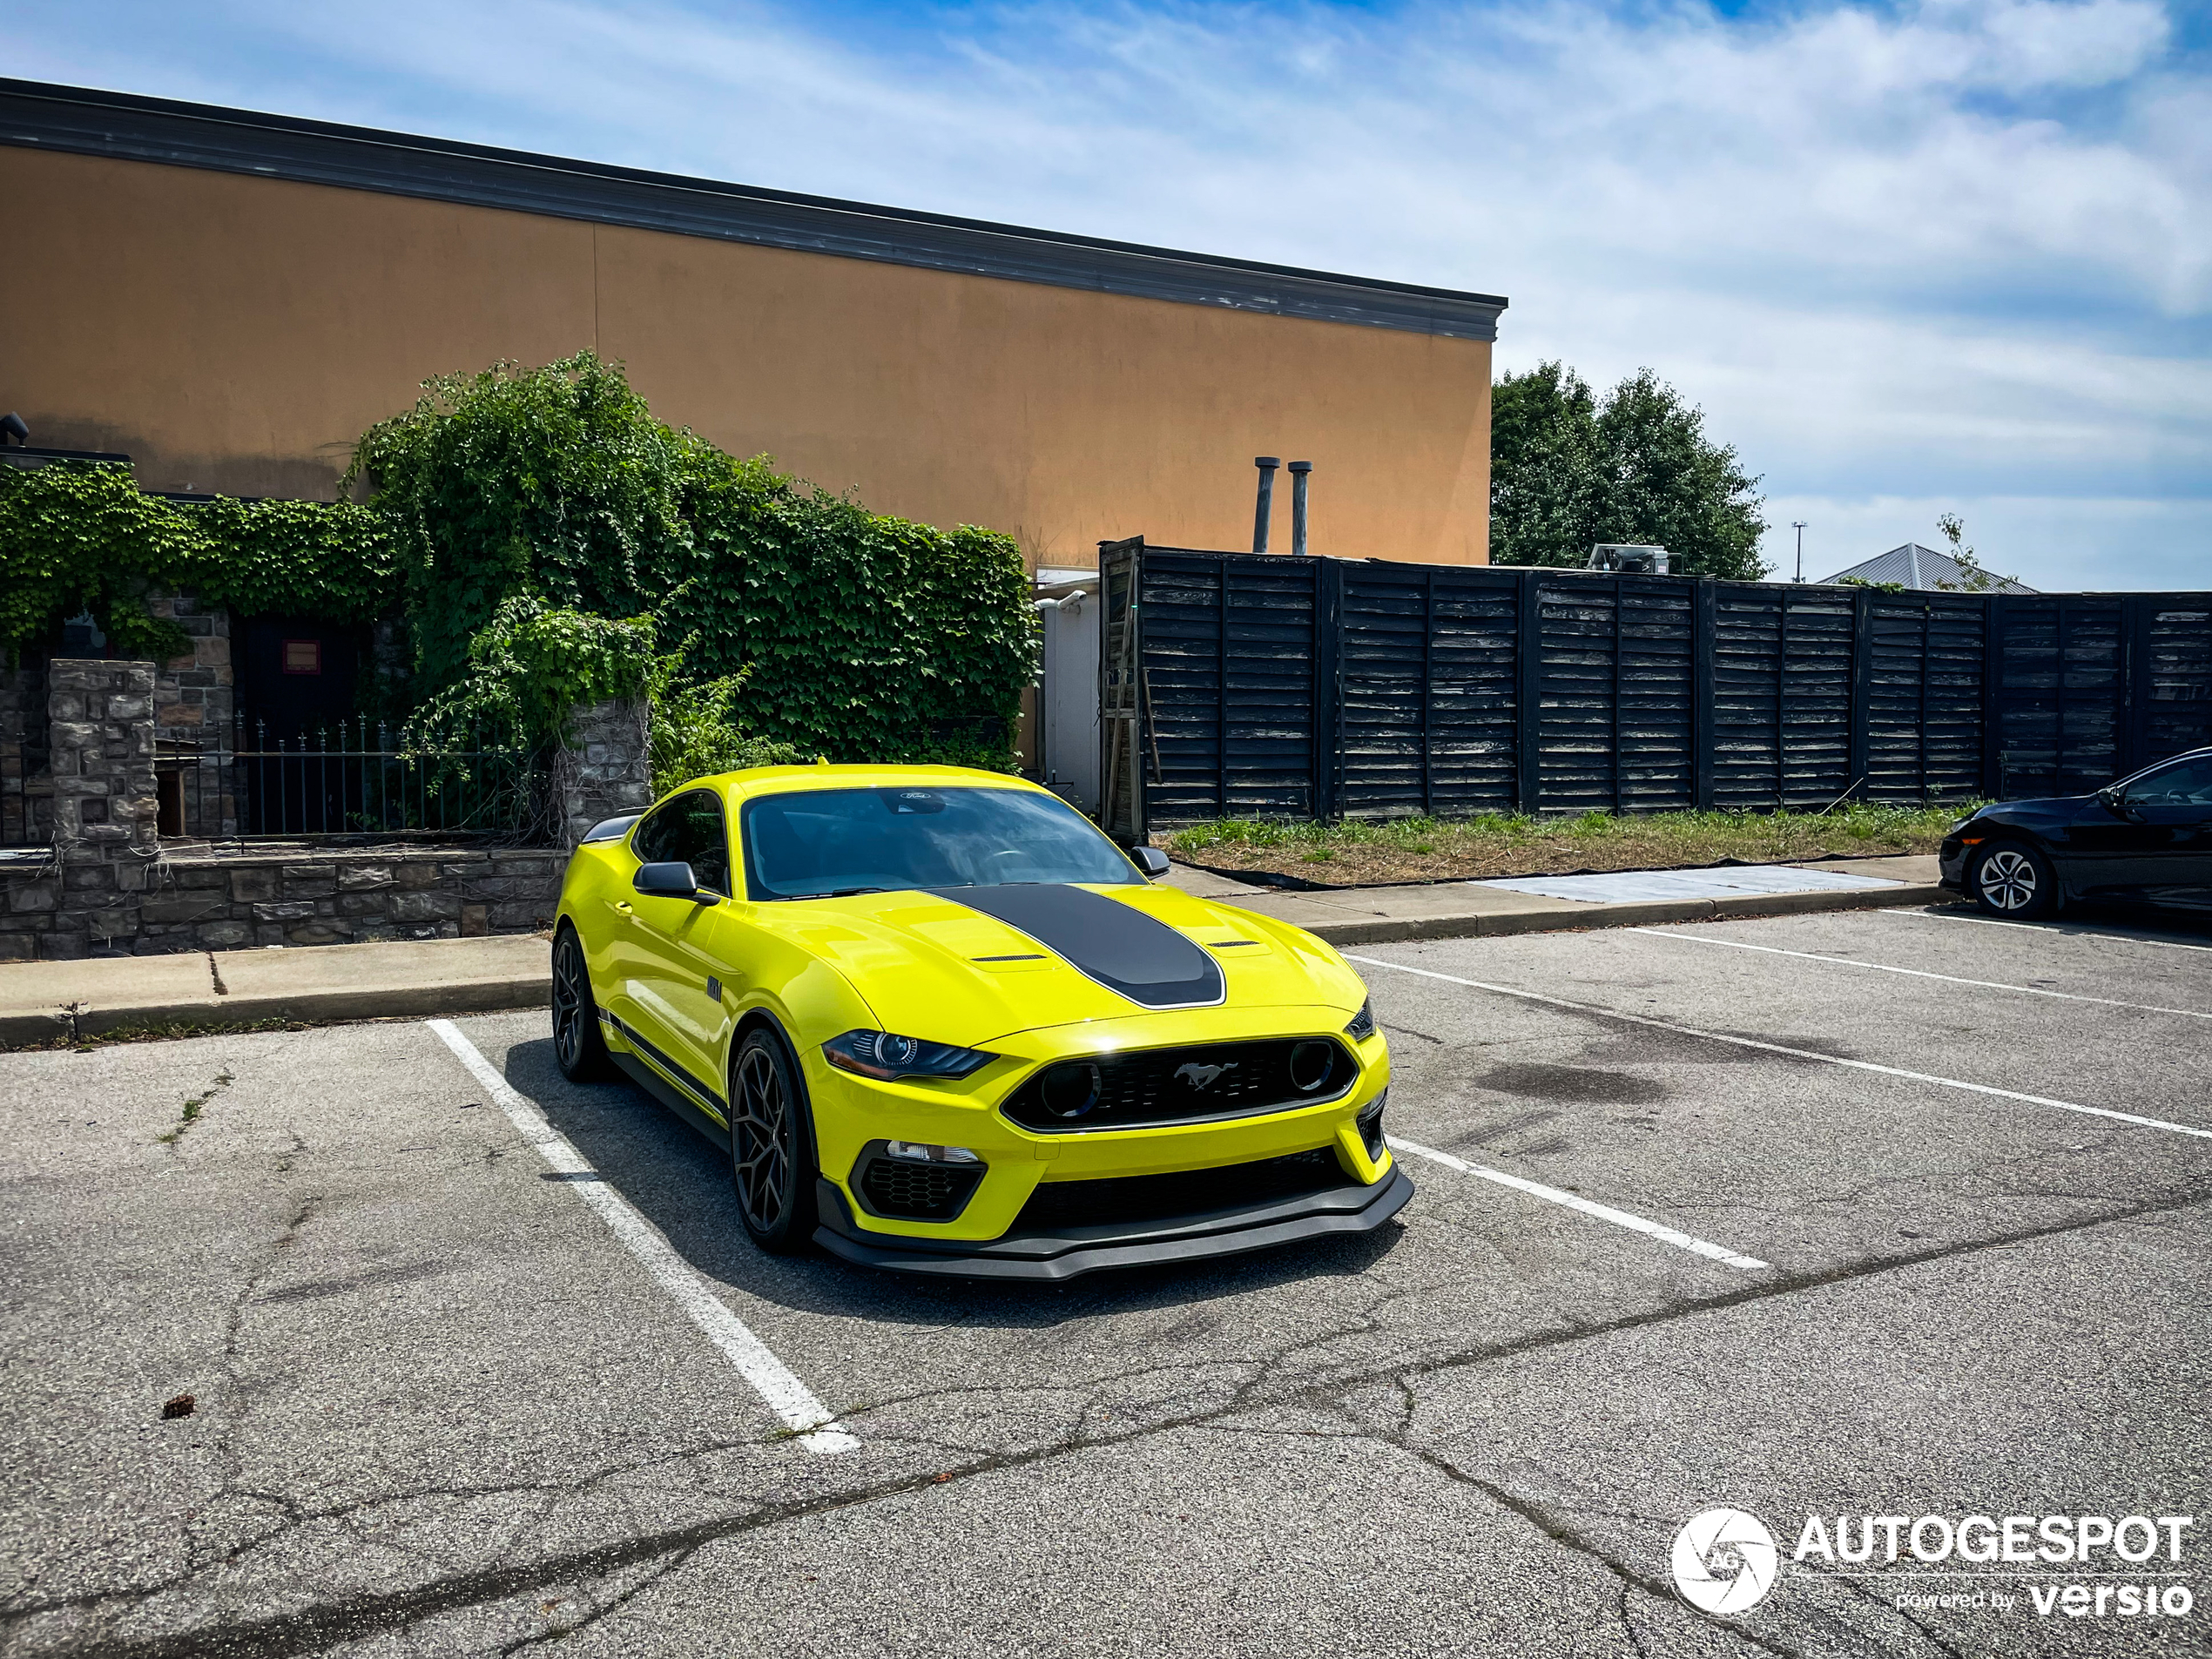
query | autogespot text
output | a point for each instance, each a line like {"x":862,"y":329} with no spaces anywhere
{"x":2126,"y":1562}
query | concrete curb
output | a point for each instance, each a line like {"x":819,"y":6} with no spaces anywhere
{"x":1390,"y":930}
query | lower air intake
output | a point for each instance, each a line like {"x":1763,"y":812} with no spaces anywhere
{"x":1124,"y":1199}
{"x":917,"y":1191}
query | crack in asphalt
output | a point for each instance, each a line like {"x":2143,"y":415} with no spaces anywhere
{"x":303,"y":1629}
{"x":600,"y":1609}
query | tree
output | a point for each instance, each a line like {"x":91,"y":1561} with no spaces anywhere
{"x":1978,"y":578}
{"x":1568,"y":471}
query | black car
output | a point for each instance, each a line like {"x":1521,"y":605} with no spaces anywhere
{"x":2146,"y":839}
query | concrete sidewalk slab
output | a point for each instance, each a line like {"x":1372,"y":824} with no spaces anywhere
{"x":1484,"y":909}
{"x":400,"y":978}
{"x":1721,"y":881}
{"x":326,"y":982}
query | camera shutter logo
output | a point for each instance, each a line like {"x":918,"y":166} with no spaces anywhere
{"x":1724,"y":1562}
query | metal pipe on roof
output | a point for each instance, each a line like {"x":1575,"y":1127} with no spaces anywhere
{"x":1300,"y":471}
{"x":1266,"y":508}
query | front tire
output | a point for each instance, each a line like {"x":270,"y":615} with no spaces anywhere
{"x":771,"y":1147}
{"x":578,"y":1047}
{"x":2011,"y":880}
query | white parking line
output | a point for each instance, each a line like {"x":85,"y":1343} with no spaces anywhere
{"x":1916,"y":973}
{"x":787,"y":1397}
{"x":1573,"y":1201}
{"x":1795,"y":1054}
{"x":2048,"y":927}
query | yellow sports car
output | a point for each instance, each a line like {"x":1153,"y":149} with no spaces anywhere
{"x":942,"y":1024}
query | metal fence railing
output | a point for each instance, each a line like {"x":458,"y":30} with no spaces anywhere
{"x":352,"y":778}
{"x":26,"y":793}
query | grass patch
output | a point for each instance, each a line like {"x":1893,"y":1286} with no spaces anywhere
{"x":194,"y":1104}
{"x":1505,"y":844}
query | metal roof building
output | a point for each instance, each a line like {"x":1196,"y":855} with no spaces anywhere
{"x":1923,"y":569}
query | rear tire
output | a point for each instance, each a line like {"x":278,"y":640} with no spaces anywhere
{"x":579,"y":1048}
{"x":2011,"y":880}
{"x":771,"y":1147}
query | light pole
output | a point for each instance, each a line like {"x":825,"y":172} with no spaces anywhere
{"x":1798,"y":525}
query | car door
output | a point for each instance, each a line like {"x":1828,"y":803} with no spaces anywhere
{"x":628,"y":945}
{"x":678,"y":983}
{"x":2173,"y":807}
{"x":2108,"y":851}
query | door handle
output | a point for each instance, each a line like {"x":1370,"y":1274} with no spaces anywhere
{"x":623,"y":904}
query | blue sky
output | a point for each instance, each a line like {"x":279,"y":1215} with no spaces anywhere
{"x":1910,"y":258}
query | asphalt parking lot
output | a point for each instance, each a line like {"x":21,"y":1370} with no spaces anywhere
{"x":1884,"y":1213}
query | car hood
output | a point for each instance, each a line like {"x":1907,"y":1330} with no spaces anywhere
{"x":931,"y":967}
{"x":2042,"y":809}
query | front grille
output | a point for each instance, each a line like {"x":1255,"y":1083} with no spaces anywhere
{"x":1154,"y":1086}
{"x":1057,"y":1205}
{"x":918,"y":1191}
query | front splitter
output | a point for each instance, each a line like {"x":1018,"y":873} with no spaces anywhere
{"x":1065,"y":1253}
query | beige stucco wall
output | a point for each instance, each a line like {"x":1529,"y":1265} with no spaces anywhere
{"x":236,"y":333}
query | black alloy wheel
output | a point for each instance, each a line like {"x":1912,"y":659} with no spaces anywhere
{"x":578,"y":1047}
{"x":2011,"y":880}
{"x":771,"y":1149}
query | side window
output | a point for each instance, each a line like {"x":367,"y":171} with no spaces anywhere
{"x":705,"y":840}
{"x":659,"y":840}
{"x":2187,"y":785}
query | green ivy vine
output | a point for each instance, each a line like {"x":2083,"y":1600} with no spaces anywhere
{"x":536,"y":531}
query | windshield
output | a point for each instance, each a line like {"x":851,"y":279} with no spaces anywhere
{"x":830,"y":841}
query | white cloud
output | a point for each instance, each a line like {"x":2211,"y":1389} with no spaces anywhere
{"x":1894,"y":249}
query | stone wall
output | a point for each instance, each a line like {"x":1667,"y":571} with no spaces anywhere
{"x":603,"y":769}
{"x":110,"y":885}
{"x":292,"y":895}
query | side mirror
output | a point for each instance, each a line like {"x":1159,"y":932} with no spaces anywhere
{"x":1151,"y":860}
{"x":2112,"y":801}
{"x":673,"y":880}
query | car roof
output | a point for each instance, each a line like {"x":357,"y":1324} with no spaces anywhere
{"x":784,"y":780}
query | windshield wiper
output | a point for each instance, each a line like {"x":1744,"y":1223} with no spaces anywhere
{"x":847,"y":893}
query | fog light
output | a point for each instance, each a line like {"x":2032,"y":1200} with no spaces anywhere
{"x":1310,"y":1066}
{"x":923,"y":1152}
{"x":1072,"y":1090}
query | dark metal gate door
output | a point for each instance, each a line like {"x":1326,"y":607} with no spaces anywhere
{"x":1121,"y":701}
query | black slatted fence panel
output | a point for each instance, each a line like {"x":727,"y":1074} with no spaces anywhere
{"x":1388,"y":669}
{"x":1816,"y":694}
{"x":1655,"y":695}
{"x":1747,"y":766}
{"x":1230,"y":678}
{"x":2173,"y":676}
{"x":2060,"y":692}
{"x":1577,"y":684}
{"x":1280,"y":687}
{"x":1474,"y":695}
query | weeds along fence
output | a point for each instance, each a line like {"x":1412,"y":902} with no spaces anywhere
{"x":1250,"y":686}
{"x":352,"y":778}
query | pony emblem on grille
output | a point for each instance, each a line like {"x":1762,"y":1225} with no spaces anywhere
{"x":1201,"y":1078}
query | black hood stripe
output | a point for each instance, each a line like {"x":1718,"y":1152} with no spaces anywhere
{"x":1128,"y":952}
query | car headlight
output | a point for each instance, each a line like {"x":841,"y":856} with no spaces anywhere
{"x":1962,"y":823}
{"x":1363,"y":1024}
{"x":886,"y":1056}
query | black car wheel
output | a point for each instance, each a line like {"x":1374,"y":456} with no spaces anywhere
{"x":578,"y":1049}
{"x":771,"y":1149}
{"x":2012,"y":880}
